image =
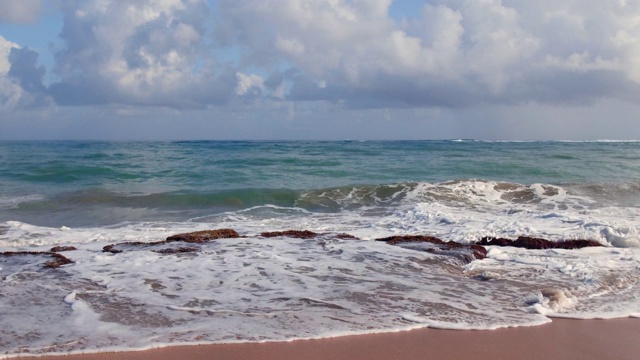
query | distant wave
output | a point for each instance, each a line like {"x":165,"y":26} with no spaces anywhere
{"x":542,"y":141}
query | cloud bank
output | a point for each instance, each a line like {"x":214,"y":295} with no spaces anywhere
{"x":353,"y":53}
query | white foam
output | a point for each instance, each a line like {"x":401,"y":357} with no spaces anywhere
{"x":282,"y":289}
{"x":622,"y":236}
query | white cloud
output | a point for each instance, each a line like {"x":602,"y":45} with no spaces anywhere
{"x":607,"y":31}
{"x":318,"y":36}
{"x":145,"y":52}
{"x":348,"y":52}
{"x":498,"y":45}
{"x":442,"y":32}
{"x":290,"y":47}
{"x":10,"y":92}
{"x":476,"y":50}
{"x":248,"y":84}
{"x":356,"y":45}
{"x":5,"y":49}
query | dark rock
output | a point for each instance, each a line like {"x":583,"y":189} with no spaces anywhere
{"x":299,"y":234}
{"x":347,"y":237}
{"x":466,"y":253}
{"x":57,"y":261}
{"x":576,"y":244}
{"x":495,"y":241}
{"x":304,"y":234}
{"x":112,"y":248}
{"x":203,"y":236}
{"x":479,"y":252}
{"x":525,"y":242}
{"x":197,"y":237}
{"x":532,"y":243}
{"x":393,"y":240}
{"x":176,"y":250}
{"x":63,"y":248}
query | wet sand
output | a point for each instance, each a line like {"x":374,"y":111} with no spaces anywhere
{"x":562,"y":339}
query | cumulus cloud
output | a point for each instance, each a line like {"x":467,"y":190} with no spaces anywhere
{"x":148,"y":52}
{"x":249,"y":84}
{"x":5,"y":49}
{"x":25,"y":70}
{"x":452,"y":53}
{"x":25,"y":78}
{"x":10,"y":92}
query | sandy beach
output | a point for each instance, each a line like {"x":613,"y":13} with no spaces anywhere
{"x":561,"y":339}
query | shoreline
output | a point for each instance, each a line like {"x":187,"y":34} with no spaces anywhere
{"x":560,"y":339}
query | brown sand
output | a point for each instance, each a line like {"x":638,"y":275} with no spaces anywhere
{"x":561,"y":339}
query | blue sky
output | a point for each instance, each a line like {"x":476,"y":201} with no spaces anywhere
{"x":320,"y":69}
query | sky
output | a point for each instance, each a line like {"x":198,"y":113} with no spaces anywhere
{"x":320,"y":69}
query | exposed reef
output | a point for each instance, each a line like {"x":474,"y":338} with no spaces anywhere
{"x":176,"y":250}
{"x":203,"y":236}
{"x":298,"y":234}
{"x":305,"y":234}
{"x":57,"y":261}
{"x":174,"y":244}
{"x":538,"y":243}
{"x":463,"y":252}
{"x":196,"y":237}
{"x":466,"y":253}
{"x":63,"y":248}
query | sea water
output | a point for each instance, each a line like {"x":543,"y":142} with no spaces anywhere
{"x":93,"y":194}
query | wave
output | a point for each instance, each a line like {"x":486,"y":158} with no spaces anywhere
{"x":224,"y":200}
{"x":544,"y":141}
{"x":471,"y":193}
{"x":459,"y":193}
{"x":458,"y":210}
{"x":332,"y":198}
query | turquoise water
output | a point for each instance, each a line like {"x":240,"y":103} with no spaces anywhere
{"x":47,"y":182}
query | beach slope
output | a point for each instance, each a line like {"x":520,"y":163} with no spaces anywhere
{"x":562,"y":339}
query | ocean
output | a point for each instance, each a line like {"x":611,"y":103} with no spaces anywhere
{"x":133,"y":195}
